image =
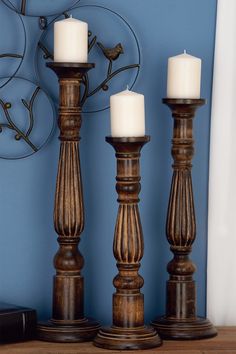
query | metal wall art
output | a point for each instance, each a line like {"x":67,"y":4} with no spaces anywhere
{"x":23,"y":129}
{"x":36,"y":8}
{"x":114,"y":58}
{"x":10,"y":52}
{"x":26,"y":118}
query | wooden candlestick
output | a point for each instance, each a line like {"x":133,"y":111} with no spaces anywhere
{"x":128,"y":330}
{"x":68,"y":323}
{"x":181,"y":321}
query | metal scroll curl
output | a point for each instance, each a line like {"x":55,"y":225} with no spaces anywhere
{"x":113,"y":58}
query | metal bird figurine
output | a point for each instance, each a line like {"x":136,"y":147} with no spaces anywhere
{"x":111,"y":53}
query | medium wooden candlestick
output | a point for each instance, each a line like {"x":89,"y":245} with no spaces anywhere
{"x":181,"y":321}
{"x":68,"y":323}
{"x":128,"y":330}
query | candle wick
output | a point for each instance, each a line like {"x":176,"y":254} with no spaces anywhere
{"x":127,"y":88}
{"x":70,"y":15}
{"x":185,"y":52}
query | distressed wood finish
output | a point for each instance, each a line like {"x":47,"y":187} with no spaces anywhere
{"x":181,"y":321}
{"x":128,"y":330}
{"x":68,"y":323}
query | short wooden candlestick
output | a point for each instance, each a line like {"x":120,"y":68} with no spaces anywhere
{"x":181,"y":321}
{"x":68,"y":323}
{"x":128,"y":330}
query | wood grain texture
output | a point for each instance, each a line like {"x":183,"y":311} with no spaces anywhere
{"x":68,"y":323}
{"x":181,"y":320}
{"x":69,"y":208}
{"x":224,"y":343}
{"x":128,"y":330}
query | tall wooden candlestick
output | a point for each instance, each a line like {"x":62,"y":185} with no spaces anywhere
{"x":128,"y":330}
{"x":181,"y":321}
{"x":68,"y":323}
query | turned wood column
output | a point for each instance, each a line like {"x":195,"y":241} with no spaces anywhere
{"x":181,"y":321}
{"x":128,"y":330}
{"x":68,"y":323}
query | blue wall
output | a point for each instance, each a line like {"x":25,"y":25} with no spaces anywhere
{"x":28,"y":240}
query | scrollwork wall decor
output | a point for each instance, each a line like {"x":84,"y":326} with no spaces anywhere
{"x":35,"y":8}
{"x":113,"y":59}
{"x":19,"y":56}
{"x":22,"y":120}
{"x":111,"y":54}
{"x":11,"y":125}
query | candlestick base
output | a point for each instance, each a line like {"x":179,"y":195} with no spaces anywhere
{"x":196,"y":328}
{"x":81,"y":331}
{"x":117,"y":338}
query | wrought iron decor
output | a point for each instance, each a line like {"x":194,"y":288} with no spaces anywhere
{"x":18,"y":56}
{"x":114,"y":60}
{"x":110,"y":56}
{"x":11,"y":125}
{"x":20,"y":119}
{"x":35,"y":8}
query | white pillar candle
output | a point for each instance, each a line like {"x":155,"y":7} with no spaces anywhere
{"x":184,"y":76}
{"x":70,"y":41}
{"x":127,"y":114}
